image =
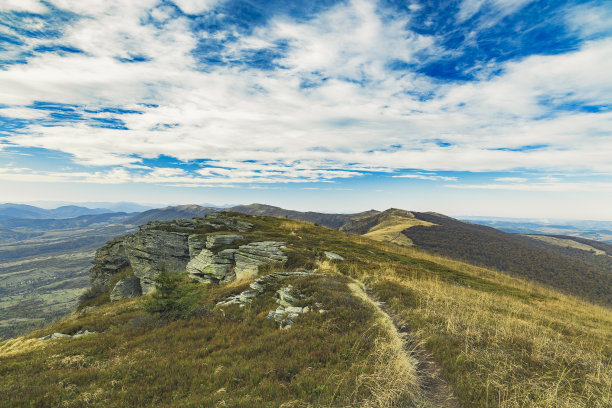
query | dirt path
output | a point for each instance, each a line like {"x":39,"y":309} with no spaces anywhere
{"x":435,"y":389}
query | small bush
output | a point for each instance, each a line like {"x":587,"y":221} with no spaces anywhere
{"x":173,"y":299}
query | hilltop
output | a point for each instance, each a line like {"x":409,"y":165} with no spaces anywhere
{"x":568,"y":267}
{"x":271,"y":312}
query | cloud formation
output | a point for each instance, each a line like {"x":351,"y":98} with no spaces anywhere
{"x":308,"y":96}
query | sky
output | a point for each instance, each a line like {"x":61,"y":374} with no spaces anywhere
{"x":465,"y":107}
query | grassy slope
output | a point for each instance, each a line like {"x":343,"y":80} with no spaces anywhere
{"x":568,"y":269}
{"x":501,"y":341}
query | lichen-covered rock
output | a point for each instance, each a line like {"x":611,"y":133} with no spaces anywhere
{"x":171,"y":245}
{"x":214,"y":241}
{"x":126,"y":288}
{"x":209,"y":267}
{"x":250,"y":256}
{"x":152,"y":251}
{"x":109,"y":260}
{"x":196,"y":242}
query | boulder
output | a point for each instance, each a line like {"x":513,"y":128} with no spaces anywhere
{"x":152,"y":251}
{"x":126,"y":288}
{"x":214,"y":241}
{"x":209,"y":267}
{"x":250,"y":256}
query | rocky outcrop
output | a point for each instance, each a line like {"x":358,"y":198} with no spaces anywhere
{"x":258,"y":286}
{"x":231,"y":264}
{"x":229,"y":223}
{"x":209,"y":267}
{"x":194,"y":245}
{"x":214,"y":241}
{"x":196,"y":242}
{"x":126,"y":288}
{"x":287,"y":313}
{"x":152,"y":251}
{"x":109,"y":259}
{"x":65,"y":336}
{"x":250,"y":256}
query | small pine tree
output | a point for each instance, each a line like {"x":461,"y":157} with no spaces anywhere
{"x":171,"y":300}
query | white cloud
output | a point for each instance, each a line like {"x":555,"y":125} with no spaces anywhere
{"x":511,"y":179}
{"x":32,"y":6}
{"x":432,"y":177}
{"x":501,"y":8}
{"x":590,"y":20}
{"x":343,"y":125}
{"x":195,"y":6}
{"x":597,"y":187}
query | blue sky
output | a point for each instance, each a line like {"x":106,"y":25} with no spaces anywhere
{"x":471,"y":107}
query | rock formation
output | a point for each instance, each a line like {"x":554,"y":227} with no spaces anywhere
{"x":126,"y":288}
{"x":250,"y":256}
{"x":196,"y":246}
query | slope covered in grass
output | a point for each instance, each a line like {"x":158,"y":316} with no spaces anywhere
{"x":501,"y":341}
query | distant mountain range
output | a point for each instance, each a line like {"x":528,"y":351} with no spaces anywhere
{"x":170,"y":213}
{"x":595,"y":230}
{"x":23,"y":211}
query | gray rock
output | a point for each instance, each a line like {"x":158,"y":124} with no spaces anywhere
{"x":250,"y":256}
{"x":214,"y":241}
{"x":126,"y":288}
{"x":258,"y":287}
{"x":109,"y":260}
{"x":152,"y":251}
{"x":209,"y":267}
{"x":333,"y":256}
{"x":83,"y":333}
{"x":196,"y":242}
{"x":55,"y":336}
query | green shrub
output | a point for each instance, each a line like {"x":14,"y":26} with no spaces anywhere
{"x":173,"y":299}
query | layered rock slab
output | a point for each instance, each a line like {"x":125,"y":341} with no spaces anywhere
{"x":250,"y":256}
{"x":208,"y":267}
{"x":151,"y":252}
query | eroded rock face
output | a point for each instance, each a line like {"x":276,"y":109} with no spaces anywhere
{"x":214,"y":241}
{"x":179,"y":245}
{"x":197,"y":242}
{"x":152,"y":251}
{"x":109,"y":259}
{"x":250,"y":256}
{"x":209,"y":267}
{"x":126,"y":288}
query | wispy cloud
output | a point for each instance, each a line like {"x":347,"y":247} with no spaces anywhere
{"x":310,"y":98}
{"x":431,"y":177}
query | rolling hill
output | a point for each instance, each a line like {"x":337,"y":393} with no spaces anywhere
{"x":568,"y":268}
{"x":332,"y":320}
{"x":170,"y":213}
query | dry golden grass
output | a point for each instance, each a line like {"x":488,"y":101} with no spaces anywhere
{"x":20,"y":345}
{"x":394,"y":378}
{"x":390,"y":230}
{"x":522,"y":345}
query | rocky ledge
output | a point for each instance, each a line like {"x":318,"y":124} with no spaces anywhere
{"x":199,"y":246}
